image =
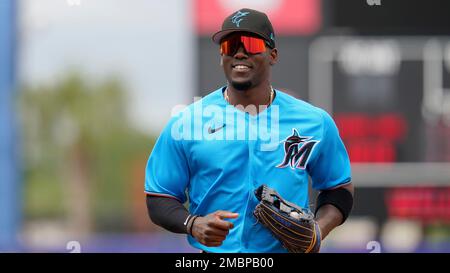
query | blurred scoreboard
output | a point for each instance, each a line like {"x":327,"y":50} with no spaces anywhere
{"x":390,"y":96}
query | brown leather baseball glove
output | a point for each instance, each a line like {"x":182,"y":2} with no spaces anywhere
{"x":293,"y":226}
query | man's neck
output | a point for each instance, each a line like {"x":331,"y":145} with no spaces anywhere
{"x":256,"y":97}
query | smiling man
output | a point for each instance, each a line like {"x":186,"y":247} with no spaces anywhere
{"x":231,"y":181}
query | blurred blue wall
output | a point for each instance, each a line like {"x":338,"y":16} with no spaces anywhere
{"x":9,"y":173}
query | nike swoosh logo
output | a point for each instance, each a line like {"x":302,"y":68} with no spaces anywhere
{"x":187,"y":219}
{"x":213,"y":130}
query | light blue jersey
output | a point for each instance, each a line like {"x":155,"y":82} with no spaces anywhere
{"x":217,"y":155}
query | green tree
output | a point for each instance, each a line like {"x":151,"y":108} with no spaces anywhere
{"x":79,"y":151}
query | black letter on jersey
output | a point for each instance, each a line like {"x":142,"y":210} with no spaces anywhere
{"x":296,"y":156}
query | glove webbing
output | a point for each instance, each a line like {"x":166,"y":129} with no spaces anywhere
{"x":276,"y":230}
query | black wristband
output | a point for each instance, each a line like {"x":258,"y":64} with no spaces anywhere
{"x":192,"y":224}
{"x":341,"y":198}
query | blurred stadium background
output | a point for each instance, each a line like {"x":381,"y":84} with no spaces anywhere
{"x":86,"y":86}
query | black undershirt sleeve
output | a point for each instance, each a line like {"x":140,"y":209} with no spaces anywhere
{"x":168,"y":213}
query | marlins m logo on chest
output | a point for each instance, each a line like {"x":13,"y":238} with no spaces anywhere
{"x":297,"y":150}
{"x":238,"y":17}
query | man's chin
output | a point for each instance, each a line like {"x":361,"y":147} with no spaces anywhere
{"x":241,"y":86}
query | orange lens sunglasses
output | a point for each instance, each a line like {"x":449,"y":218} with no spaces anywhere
{"x":253,"y":45}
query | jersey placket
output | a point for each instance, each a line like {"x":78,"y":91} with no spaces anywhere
{"x":252,"y":130}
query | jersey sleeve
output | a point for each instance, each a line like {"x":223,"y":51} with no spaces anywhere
{"x":167,"y":171}
{"x":330,"y":166}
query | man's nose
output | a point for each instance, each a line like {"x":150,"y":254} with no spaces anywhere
{"x":240,"y":53}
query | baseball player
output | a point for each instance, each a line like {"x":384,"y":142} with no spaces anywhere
{"x":217,"y":166}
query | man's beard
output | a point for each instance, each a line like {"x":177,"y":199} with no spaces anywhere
{"x":242,"y":86}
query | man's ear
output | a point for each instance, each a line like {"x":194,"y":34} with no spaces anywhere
{"x":273,"y":56}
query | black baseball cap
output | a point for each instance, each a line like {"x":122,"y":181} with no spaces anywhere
{"x":247,"y":20}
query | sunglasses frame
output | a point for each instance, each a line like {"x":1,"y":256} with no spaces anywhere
{"x":244,"y":40}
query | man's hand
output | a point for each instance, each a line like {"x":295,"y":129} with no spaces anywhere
{"x":211,"y":229}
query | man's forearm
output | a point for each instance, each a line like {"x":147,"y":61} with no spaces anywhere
{"x":328,"y":217}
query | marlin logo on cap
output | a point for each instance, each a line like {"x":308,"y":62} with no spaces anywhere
{"x":237,"y":18}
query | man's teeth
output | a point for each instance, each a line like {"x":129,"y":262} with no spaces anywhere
{"x":241,"y":67}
